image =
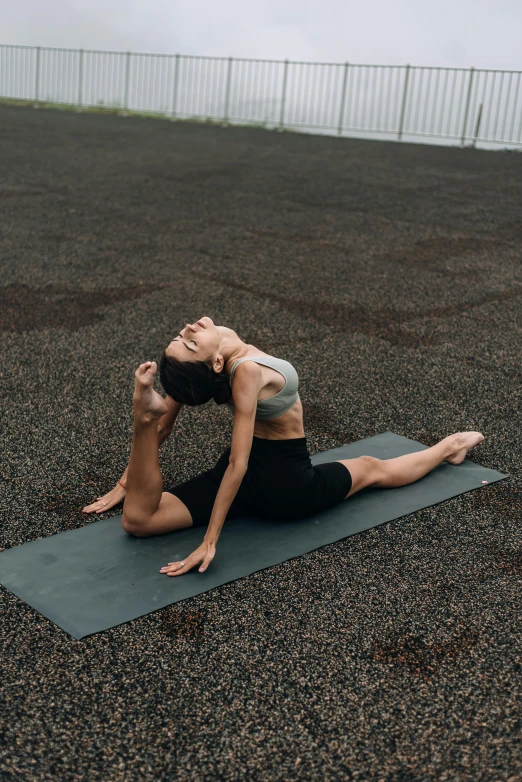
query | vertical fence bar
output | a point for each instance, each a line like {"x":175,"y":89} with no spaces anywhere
{"x":80,"y":80}
{"x":515,"y":108}
{"x":401,"y":124}
{"x":60,"y":74}
{"x":37,"y":78}
{"x":472,"y":70}
{"x":126,"y":87}
{"x":298,"y":92}
{"x":382,"y":73}
{"x":477,"y":126}
{"x":508,"y":97}
{"x":517,"y":91}
{"x":488,"y":102}
{"x":343,"y":98}
{"x":175,"y":88}
{"x":227,"y":93}
{"x":497,"y":113}
{"x":283,"y":99}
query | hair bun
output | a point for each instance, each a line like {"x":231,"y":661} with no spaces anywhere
{"x":193,"y":382}
{"x":221,"y":392}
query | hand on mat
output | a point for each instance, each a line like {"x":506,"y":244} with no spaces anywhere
{"x":114,"y":497}
{"x":204,"y":554}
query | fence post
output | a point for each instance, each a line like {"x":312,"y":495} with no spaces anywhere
{"x":175,"y":88}
{"x":404,"y":101}
{"x":343,"y":97}
{"x":126,"y":88}
{"x":283,"y":99}
{"x":478,"y":126}
{"x":227,"y":94}
{"x":80,"y":80}
{"x":472,"y":70}
{"x":37,"y":80}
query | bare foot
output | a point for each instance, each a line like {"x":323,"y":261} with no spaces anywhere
{"x":148,"y":404}
{"x":463,"y":442}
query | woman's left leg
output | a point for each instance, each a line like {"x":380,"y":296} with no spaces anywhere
{"x":369,"y":471}
{"x":147,"y":509}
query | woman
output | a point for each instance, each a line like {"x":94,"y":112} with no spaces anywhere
{"x":267,"y":469}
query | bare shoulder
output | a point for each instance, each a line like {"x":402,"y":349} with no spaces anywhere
{"x":246,"y":383}
{"x":246,"y":372}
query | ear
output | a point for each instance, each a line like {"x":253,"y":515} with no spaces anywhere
{"x":218,"y":364}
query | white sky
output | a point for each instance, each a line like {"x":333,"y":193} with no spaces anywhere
{"x":460,"y":33}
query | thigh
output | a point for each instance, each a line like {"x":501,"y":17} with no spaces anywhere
{"x":171,"y":514}
{"x":365,"y":472}
{"x":198,"y":494}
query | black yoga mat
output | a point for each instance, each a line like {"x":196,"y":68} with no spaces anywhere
{"x":96,"y":577}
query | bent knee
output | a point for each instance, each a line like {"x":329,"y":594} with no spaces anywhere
{"x":137,"y":530}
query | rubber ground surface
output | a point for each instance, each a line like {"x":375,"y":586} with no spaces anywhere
{"x":390,"y":276}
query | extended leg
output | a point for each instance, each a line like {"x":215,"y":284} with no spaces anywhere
{"x":413,"y":466}
{"x":391,"y":473}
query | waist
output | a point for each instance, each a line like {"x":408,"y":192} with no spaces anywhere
{"x":262,"y":444}
{"x":288,"y":426}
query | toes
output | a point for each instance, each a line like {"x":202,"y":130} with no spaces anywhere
{"x":141,"y":373}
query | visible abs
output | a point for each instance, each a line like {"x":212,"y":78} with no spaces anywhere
{"x":285,"y":427}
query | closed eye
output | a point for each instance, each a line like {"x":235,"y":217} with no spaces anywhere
{"x":180,"y":337}
{"x":190,"y":340}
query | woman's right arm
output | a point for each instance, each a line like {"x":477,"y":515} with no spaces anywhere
{"x":117,"y":495}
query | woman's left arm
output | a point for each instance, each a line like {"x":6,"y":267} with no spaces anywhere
{"x":246,"y":389}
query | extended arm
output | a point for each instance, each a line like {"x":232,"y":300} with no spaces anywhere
{"x":247,"y":383}
{"x":246,"y":388}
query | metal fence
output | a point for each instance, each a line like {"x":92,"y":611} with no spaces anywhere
{"x":439,"y":103}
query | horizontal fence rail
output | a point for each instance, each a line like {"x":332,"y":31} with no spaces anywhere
{"x":446,"y":103}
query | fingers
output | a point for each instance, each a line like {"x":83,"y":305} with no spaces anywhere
{"x":97,"y":507}
{"x":178,"y":568}
{"x":183,"y":566}
{"x":101,"y":504}
{"x":106,"y":502}
{"x":206,"y":562}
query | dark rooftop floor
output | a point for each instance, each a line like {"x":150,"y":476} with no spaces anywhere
{"x":390,"y":275}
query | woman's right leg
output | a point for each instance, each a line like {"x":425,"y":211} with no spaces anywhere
{"x":369,"y":471}
{"x":147,"y":509}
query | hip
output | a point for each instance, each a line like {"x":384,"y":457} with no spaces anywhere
{"x":281,"y":481}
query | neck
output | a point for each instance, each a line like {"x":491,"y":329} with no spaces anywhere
{"x":231,"y":347}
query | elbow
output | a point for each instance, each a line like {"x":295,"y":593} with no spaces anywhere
{"x":238,"y":466}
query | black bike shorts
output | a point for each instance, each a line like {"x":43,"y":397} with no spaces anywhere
{"x":280,"y":483}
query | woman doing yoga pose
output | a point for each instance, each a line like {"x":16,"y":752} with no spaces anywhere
{"x":266,"y":471}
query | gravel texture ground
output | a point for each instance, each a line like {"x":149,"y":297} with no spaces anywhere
{"x":390,"y":275}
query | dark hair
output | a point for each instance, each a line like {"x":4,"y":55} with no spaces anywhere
{"x":193,"y":382}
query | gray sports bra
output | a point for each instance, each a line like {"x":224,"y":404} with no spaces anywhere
{"x":281,"y":402}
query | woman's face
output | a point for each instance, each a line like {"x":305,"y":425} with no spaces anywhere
{"x":199,"y":341}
